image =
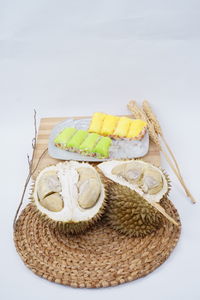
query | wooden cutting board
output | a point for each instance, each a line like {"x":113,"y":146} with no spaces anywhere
{"x":47,"y":124}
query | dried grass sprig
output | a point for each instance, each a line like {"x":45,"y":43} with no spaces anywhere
{"x":31,"y":170}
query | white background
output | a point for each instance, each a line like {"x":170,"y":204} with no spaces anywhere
{"x":67,"y":58}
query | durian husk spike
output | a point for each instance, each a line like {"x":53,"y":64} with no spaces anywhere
{"x":157,"y":206}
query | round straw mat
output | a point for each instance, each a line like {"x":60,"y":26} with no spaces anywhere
{"x":100,"y":257}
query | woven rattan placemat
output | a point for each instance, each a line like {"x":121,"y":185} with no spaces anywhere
{"x":99,"y":258}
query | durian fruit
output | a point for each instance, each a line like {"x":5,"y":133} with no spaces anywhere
{"x":70,"y":195}
{"x":135,"y":190}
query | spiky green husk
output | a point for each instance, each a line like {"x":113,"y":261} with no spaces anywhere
{"x":129,"y":213}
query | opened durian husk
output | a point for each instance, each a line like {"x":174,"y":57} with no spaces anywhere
{"x":77,"y":207}
{"x":156,"y":199}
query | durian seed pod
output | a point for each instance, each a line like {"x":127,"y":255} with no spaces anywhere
{"x":70,"y":195}
{"x":134,"y":186}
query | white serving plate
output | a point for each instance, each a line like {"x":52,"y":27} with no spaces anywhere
{"x":119,"y":150}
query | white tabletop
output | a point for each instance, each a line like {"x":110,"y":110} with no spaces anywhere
{"x":67,"y":58}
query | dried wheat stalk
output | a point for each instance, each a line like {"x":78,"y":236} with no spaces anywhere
{"x":148,"y":115}
{"x":154,"y":120}
{"x":151,"y":116}
{"x":139,"y":114}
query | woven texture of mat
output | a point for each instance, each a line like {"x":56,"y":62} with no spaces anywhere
{"x":99,"y":258}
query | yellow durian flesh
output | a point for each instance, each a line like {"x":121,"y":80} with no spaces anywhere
{"x":119,"y":170}
{"x":48,"y":191}
{"x":88,"y":193}
{"x":88,"y":187}
{"x":152,"y":182}
{"x":85,"y":174}
{"x":53,"y":202}
{"x":132,"y":171}
{"x":47,"y":184}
